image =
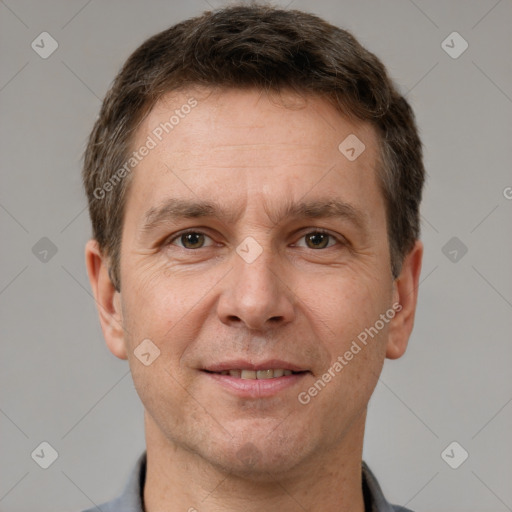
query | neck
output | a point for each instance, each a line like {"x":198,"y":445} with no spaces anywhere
{"x":178,"y":479}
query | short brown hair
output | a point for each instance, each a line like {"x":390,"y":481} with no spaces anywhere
{"x":270,"y":49}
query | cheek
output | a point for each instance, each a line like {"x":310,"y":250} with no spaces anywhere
{"x":341,"y":304}
{"x":157,"y":309}
{"x":344,"y":386}
{"x":344,"y":309}
{"x":157,"y":297}
{"x":169,"y":307}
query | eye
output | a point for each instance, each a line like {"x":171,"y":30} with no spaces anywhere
{"x":197,"y":240}
{"x":190,"y":240}
{"x":318,"y":240}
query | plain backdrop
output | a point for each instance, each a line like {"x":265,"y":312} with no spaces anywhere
{"x":58,"y":382}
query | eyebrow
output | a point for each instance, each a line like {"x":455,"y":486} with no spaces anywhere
{"x":174,"y":209}
{"x":322,"y":208}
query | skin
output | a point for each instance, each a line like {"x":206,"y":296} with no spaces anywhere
{"x":303,"y":304}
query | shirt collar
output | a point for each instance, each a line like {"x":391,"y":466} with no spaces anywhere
{"x":132,"y":496}
{"x":373,"y":496}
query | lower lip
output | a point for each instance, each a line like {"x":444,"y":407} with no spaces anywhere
{"x":256,"y":388}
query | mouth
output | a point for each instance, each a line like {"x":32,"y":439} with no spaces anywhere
{"x":243,"y":369}
{"x":255,"y":380}
{"x":270,"y":373}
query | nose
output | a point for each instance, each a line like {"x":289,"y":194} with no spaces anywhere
{"x":256,"y":294}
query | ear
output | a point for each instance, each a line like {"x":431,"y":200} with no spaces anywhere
{"x":107,"y":299}
{"x":405,"y":293}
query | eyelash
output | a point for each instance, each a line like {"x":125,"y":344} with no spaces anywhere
{"x":169,"y":241}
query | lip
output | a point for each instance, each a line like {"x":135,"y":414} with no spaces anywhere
{"x":241,"y":364}
{"x":255,"y":388}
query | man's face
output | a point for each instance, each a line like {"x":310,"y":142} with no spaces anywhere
{"x":288,"y":261}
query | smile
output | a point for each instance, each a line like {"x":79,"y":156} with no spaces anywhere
{"x":271,"y":373}
{"x":255,"y":384}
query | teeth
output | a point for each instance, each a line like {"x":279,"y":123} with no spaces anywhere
{"x":265,"y":374}
{"x":248,"y":374}
{"x":257,"y":374}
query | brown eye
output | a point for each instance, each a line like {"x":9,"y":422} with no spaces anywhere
{"x":190,"y":240}
{"x":317,"y":240}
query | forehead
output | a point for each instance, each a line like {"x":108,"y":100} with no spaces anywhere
{"x":210,"y":141}
{"x":247,"y":117}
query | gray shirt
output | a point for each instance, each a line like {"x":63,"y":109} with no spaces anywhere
{"x":131,"y":498}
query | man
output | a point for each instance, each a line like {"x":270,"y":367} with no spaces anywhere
{"x":254,"y":182}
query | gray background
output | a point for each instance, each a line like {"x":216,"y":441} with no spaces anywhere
{"x":60,"y":384}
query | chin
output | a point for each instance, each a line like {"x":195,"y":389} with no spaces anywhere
{"x":259,"y":461}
